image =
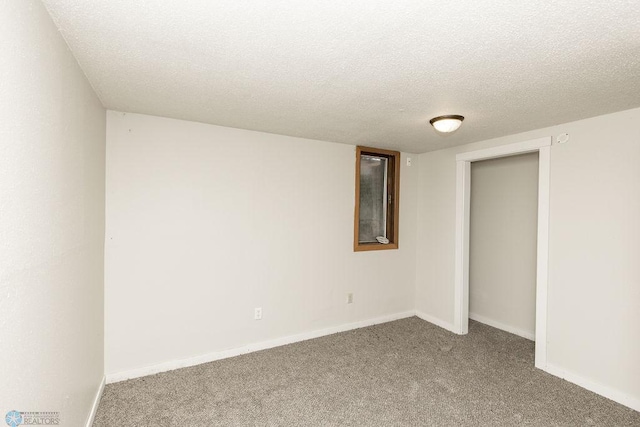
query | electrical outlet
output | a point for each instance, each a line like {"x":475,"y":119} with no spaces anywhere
{"x":349,"y":298}
{"x":257,"y":313}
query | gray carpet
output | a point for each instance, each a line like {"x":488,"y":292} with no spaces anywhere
{"x":406,"y":372}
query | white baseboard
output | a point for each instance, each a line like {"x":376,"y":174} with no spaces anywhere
{"x":502,"y":326}
{"x":603,"y":390}
{"x":96,"y":402}
{"x":608,"y":392}
{"x":438,"y":322}
{"x":250,"y":348}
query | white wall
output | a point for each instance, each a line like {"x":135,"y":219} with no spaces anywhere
{"x":503,"y":237}
{"x":594,"y":292}
{"x":204,"y":223}
{"x":52,"y":156}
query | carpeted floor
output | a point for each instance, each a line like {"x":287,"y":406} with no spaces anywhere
{"x":406,"y":372}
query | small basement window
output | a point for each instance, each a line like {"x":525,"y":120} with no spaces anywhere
{"x":377,"y":191}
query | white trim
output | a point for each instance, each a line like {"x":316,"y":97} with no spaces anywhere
{"x":463,"y":193}
{"x":250,"y":348}
{"x":438,"y":322}
{"x":461,"y":279}
{"x":530,"y":146}
{"x":96,"y":402}
{"x":598,"y":388}
{"x":542,"y":268}
{"x":507,"y":328}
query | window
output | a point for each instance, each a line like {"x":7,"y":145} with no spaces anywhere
{"x":377,"y":191}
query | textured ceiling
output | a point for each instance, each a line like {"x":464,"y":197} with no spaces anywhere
{"x":360,"y":72}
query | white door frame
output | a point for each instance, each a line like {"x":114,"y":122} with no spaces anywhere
{"x":463,"y":198}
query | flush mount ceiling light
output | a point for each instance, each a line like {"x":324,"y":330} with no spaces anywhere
{"x":447,"y":124}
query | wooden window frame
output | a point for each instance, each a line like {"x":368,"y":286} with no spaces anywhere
{"x":393,"y":189}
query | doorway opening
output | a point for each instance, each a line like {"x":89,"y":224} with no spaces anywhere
{"x":502,"y":243}
{"x":463,"y":202}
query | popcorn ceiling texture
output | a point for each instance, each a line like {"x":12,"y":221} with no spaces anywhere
{"x":360,"y":72}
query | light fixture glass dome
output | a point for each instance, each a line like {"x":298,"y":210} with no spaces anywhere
{"x":447,"y":124}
